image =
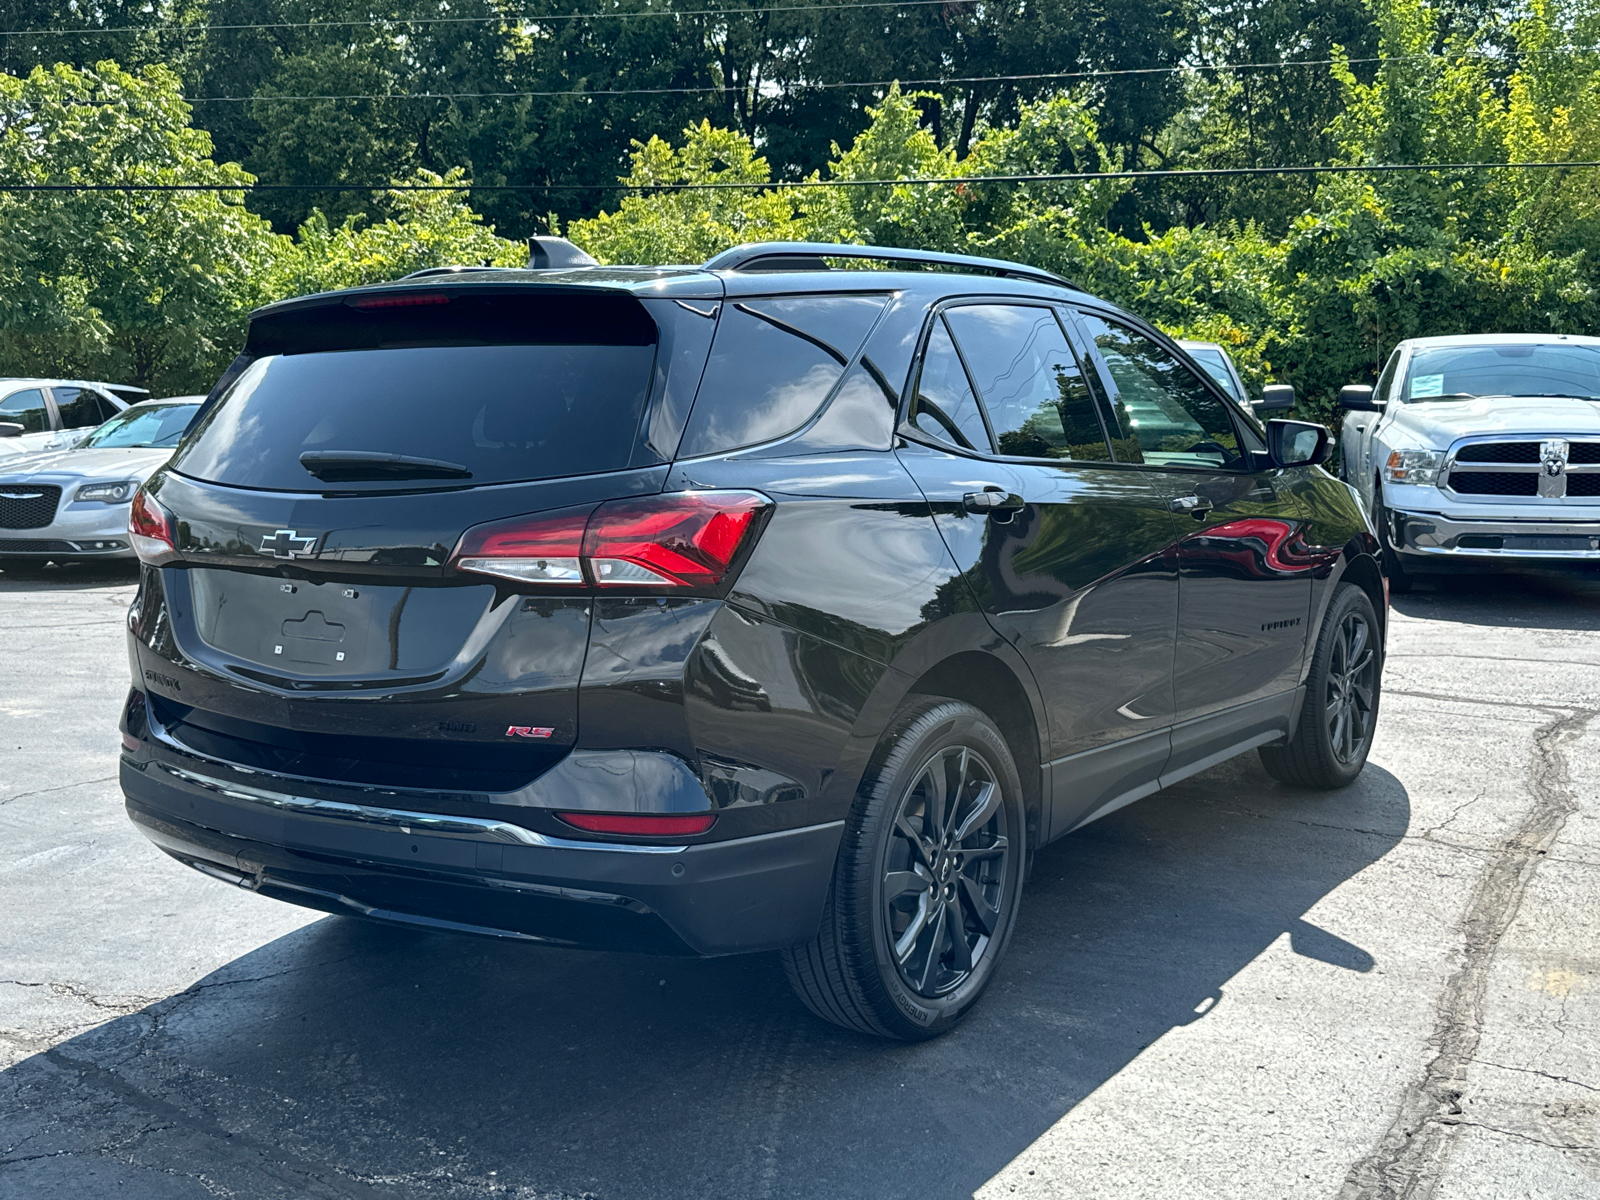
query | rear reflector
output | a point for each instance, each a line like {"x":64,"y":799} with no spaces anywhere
{"x":635,"y":825}
{"x":150,"y":530}
{"x":680,"y":540}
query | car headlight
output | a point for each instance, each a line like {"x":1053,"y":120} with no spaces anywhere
{"x":1413,"y":466}
{"x":109,"y":493}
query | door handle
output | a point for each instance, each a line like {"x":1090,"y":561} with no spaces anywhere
{"x":1196,"y":506}
{"x":991,"y":502}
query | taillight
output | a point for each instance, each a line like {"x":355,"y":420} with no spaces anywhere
{"x":150,"y":529}
{"x":640,"y":825}
{"x":682,"y":540}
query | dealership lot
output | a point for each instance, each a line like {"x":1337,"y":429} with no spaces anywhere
{"x":1231,"y":989}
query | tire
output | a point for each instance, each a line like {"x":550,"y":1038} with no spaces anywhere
{"x":1329,"y":745}
{"x":1399,"y":581}
{"x":904,"y":862}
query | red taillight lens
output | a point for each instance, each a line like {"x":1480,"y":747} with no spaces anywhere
{"x":537,"y":549}
{"x":636,"y":825}
{"x":150,"y":529}
{"x":683,"y":540}
{"x":404,"y":300}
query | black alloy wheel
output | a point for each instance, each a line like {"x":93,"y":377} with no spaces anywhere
{"x":1330,"y":743}
{"x":1350,"y":692}
{"x":928,"y":880}
{"x":945,"y":871}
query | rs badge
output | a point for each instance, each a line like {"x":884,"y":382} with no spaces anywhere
{"x":529,"y":731}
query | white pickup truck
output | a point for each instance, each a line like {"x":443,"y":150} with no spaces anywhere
{"x":1478,"y":448}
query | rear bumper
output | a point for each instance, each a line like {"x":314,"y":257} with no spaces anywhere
{"x":490,"y":877}
{"x":1424,"y":537}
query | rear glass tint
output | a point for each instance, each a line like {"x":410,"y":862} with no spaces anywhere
{"x":772,"y":365}
{"x":442,"y":384}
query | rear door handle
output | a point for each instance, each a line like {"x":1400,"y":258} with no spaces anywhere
{"x":991,"y":501}
{"x":1196,"y":506}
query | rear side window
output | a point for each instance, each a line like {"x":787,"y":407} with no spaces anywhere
{"x":80,"y":407}
{"x":566,"y":396}
{"x":773,"y":364}
{"x":1030,"y":382}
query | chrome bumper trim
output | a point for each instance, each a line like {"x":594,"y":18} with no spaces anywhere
{"x":1436,"y":536}
{"x":469,"y":828}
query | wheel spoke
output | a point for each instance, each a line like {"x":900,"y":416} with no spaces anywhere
{"x":933,"y":808}
{"x":920,"y":847}
{"x":1349,"y":735}
{"x":907,"y":942}
{"x":930,"y":965}
{"x":986,"y":804}
{"x":1361,"y":664}
{"x":1358,"y":642}
{"x":898,"y":883}
{"x":994,"y":850}
{"x":1339,"y":723}
{"x":960,"y":948}
{"x":982,"y":911}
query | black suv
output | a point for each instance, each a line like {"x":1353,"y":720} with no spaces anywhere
{"x":784,"y":603}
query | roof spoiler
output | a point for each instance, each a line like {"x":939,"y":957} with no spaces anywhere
{"x":548,"y":252}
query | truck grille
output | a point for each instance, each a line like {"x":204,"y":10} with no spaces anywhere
{"x":27,"y":505}
{"x":1550,"y":468}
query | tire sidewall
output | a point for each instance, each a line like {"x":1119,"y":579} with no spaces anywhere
{"x":939,"y":725}
{"x":1346,"y":599}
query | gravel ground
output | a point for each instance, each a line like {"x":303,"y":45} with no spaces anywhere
{"x":1231,"y":989}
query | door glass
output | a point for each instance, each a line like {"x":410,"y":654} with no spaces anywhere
{"x":80,"y":408}
{"x":1161,"y":404}
{"x":944,"y":406}
{"x":1215,"y":367}
{"x":26,"y":408}
{"x":1030,"y":382}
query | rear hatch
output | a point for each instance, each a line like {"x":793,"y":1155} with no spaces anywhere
{"x":317,"y":625}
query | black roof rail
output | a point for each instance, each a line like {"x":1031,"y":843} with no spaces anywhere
{"x":812,"y":256}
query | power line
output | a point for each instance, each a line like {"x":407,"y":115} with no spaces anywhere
{"x":499,"y":19}
{"x":1052,"y":177}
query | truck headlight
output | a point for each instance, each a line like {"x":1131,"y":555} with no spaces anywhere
{"x":1413,"y":466}
{"x":108,"y":493}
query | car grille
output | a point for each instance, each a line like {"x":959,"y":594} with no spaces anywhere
{"x":27,"y":505}
{"x":35,"y":546}
{"x":1517,"y":469}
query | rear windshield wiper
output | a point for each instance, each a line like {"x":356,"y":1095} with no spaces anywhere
{"x":349,"y":466}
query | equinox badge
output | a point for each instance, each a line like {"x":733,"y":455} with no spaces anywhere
{"x":286,"y":543}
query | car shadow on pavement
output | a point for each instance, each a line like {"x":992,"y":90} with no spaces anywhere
{"x":18,"y":576}
{"x":353,"y":1059}
{"x":1528,"y":599}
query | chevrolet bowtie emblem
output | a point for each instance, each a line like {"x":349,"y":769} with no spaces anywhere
{"x":286,"y":543}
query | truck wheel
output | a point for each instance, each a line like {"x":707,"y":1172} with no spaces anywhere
{"x":1329,"y":745}
{"x":927,"y":882}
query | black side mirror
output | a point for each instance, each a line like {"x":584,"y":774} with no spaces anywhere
{"x":1276,"y":397}
{"x":1357,"y":397}
{"x":1297,"y":443}
{"x":11,"y":429}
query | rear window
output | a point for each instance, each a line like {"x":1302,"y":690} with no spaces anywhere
{"x":772,"y":365}
{"x":506,"y":390}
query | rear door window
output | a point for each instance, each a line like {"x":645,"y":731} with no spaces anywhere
{"x":567,"y":397}
{"x":1030,"y":382}
{"x":82,"y":408}
{"x":773,"y":364}
{"x":944,"y":405}
{"x":26,"y":408}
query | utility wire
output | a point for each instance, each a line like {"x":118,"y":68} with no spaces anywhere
{"x":1053,"y":177}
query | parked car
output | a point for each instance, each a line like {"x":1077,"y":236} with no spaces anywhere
{"x":73,"y":503}
{"x":35,"y":411}
{"x":774,"y":604}
{"x":1215,"y":361}
{"x":1479,"y":449}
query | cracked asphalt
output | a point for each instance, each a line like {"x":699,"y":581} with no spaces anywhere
{"x":1232,"y":989}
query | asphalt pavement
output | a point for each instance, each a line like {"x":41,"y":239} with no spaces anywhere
{"x":1232,"y":989}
